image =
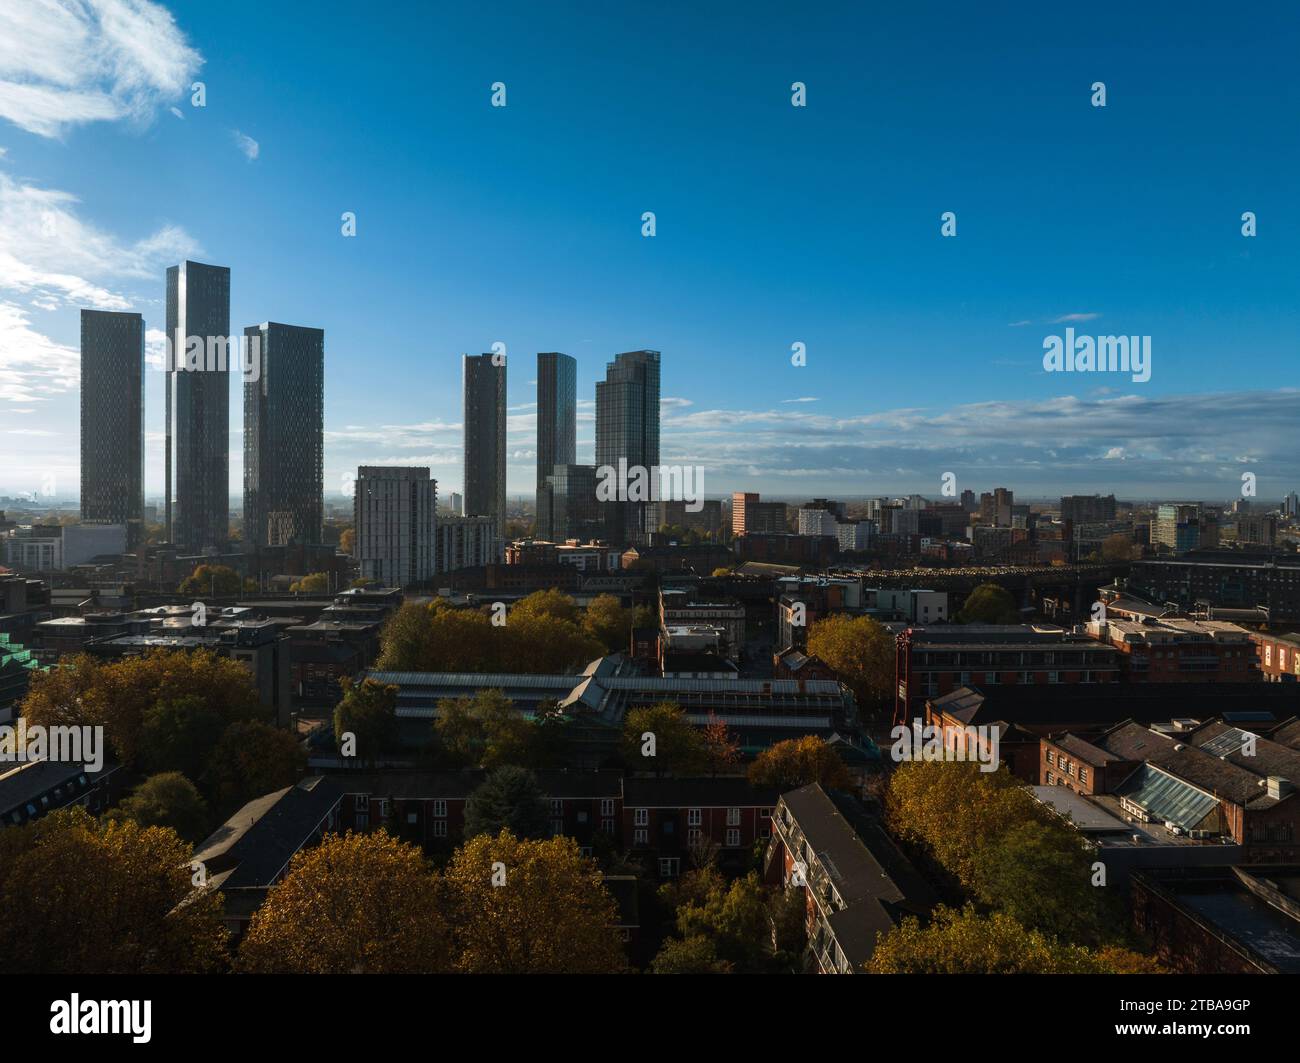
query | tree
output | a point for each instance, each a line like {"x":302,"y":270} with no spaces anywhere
{"x":119,"y":695}
{"x":508,"y":799}
{"x":355,"y":904}
{"x":347,"y":540}
{"x":721,"y":750}
{"x":964,"y":942}
{"x":552,"y":603}
{"x":368,"y":712}
{"x":659,"y":738}
{"x":721,"y":573}
{"x":219,"y":581}
{"x":179,"y":735}
{"x":1118,"y":548}
{"x":797,"y":762}
{"x":989,"y":603}
{"x":861,"y":652}
{"x":166,"y":800}
{"x":734,"y":916}
{"x":609,"y":623}
{"x":530,"y":907}
{"x":92,"y":897}
{"x":692,"y":955}
{"x":316,"y":583}
{"x":252,"y":759}
{"x":484,"y":730}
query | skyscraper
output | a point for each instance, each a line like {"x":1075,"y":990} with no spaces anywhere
{"x":627,"y":427}
{"x":284,"y":435}
{"x":112,"y":420}
{"x":394,"y":515}
{"x":557,"y":428}
{"x":485,"y":439}
{"x":197,"y":466}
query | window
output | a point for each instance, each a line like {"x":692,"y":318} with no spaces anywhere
{"x":557,"y":827}
{"x":733,"y":839}
{"x":607,"y":825}
{"x":1083,"y":776}
{"x":733,"y":817}
{"x":668,"y":867}
{"x":1051,"y":757}
{"x":1053,"y":677}
{"x":693,"y":817}
{"x":557,"y":806}
{"x":363,"y":820}
{"x":641,"y":837}
{"x":582,"y":817}
{"x":440,"y":809}
{"x":585,"y":850}
{"x":606,"y":806}
{"x":440,"y":828}
{"x":764,"y":813}
{"x":411,"y":817}
{"x":383,"y":807}
{"x":693,"y":837}
{"x":641,"y":817}
{"x":1051,"y":779}
{"x":362,"y":803}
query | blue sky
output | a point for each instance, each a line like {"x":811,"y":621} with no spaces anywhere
{"x":775,"y":225}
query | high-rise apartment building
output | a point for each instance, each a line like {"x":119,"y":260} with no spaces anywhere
{"x":197,"y":464}
{"x":485,"y":438}
{"x":395,"y":521}
{"x":557,"y":428}
{"x":575,"y":512}
{"x":112,"y":421}
{"x":284,"y":436}
{"x":996,"y":507}
{"x":1087,"y":509}
{"x":467,"y":542}
{"x":1177,"y":526}
{"x":627,"y":428}
{"x":749,"y":516}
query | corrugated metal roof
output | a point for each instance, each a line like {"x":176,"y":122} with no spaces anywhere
{"x":1233,"y":740}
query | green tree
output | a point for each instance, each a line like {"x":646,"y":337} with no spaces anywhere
{"x":609,"y":623}
{"x":692,"y":955}
{"x":508,"y":799}
{"x":989,"y":603}
{"x":316,"y":583}
{"x":252,"y":759}
{"x":677,"y":746}
{"x":166,"y":800}
{"x":484,"y":730}
{"x":368,"y":712}
{"x":180,"y":734}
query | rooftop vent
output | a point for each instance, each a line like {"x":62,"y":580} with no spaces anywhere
{"x":1278,"y":787}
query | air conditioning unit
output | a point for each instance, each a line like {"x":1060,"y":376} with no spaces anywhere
{"x":1173,"y":828}
{"x":1199,"y":834}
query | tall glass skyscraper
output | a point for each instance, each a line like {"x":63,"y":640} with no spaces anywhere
{"x":284,"y":436}
{"x":197,"y":466}
{"x":557,"y":429}
{"x":112,"y":420}
{"x":627,"y":426}
{"x":485,"y":439}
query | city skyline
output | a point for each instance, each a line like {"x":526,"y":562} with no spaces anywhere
{"x":923,"y":353}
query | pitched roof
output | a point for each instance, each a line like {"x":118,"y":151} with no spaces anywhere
{"x":726,"y":791}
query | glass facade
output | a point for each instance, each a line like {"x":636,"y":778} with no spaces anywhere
{"x":627,"y":427}
{"x":284,"y":436}
{"x":557,"y":428}
{"x":112,"y":420}
{"x":485,"y":439}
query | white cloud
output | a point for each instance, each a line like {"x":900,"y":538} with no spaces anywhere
{"x":250,"y":147}
{"x":66,"y":62}
{"x":806,"y":398}
{"x":1066,"y":319}
{"x":32,"y":366}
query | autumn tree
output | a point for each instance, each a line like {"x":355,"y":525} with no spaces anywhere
{"x":530,"y":907}
{"x":219,"y":581}
{"x":797,"y":762}
{"x":347,"y":540}
{"x":989,"y":603}
{"x":166,"y":800}
{"x":661,"y":739}
{"x":693,"y":955}
{"x":861,"y":652}
{"x":610,"y":624}
{"x":355,"y":904}
{"x":1119,"y":548}
{"x":315,"y":583}
{"x":721,"y":750}
{"x":734,"y":916}
{"x":119,"y":695}
{"x":180,"y":734}
{"x":368,"y":712}
{"x":104,"y":897}
{"x":551,"y":603}
{"x":252,"y":759}
{"x":508,"y":799}
{"x":484,"y":730}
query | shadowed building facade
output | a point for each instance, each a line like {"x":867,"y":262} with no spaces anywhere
{"x":485,"y":439}
{"x":112,"y":420}
{"x":627,"y":427}
{"x":284,"y":436}
{"x":557,"y":429}
{"x":198,"y":407}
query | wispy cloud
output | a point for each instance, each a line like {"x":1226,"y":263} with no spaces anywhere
{"x":250,"y":147}
{"x":806,"y":398}
{"x":67,"y":62}
{"x":1066,"y":319}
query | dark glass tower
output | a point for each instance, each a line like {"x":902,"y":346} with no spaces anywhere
{"x":485,"y":439}
{"x":284,"y":436}
{"x":198,"y":406}
{"x":627,"y":426}
{"x":557,"y":429}
{"x":112,"y":420}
